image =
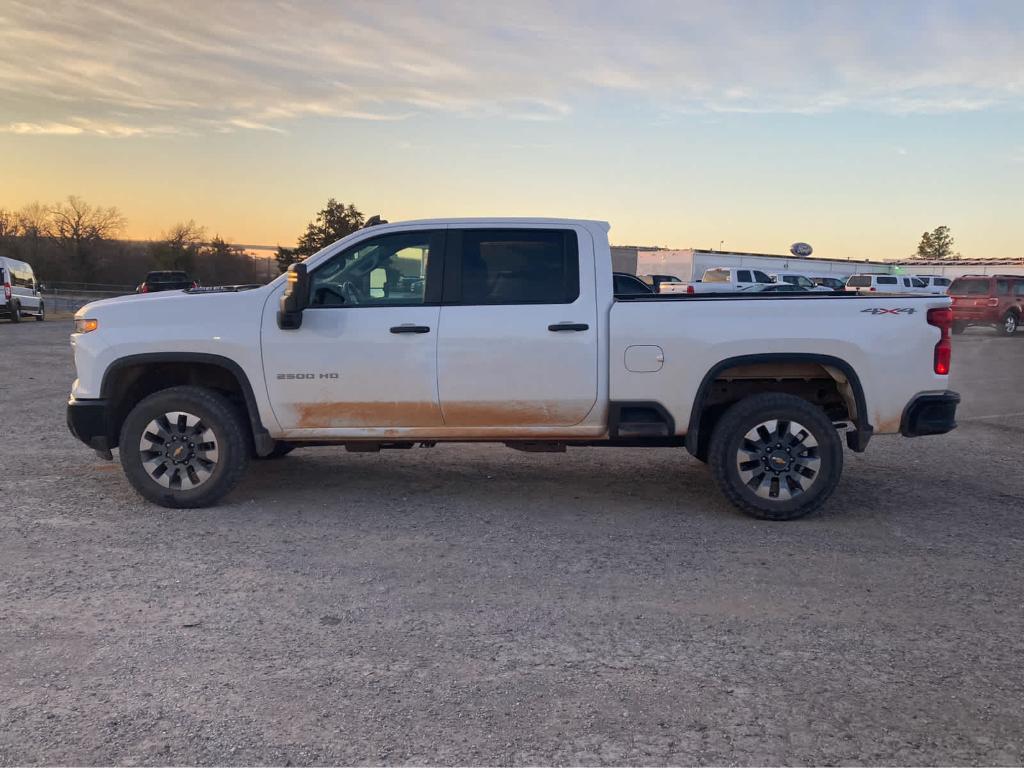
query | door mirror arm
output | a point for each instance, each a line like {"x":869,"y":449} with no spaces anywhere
{"x":295,"y":298}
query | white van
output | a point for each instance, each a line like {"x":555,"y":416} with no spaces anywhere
{"x":799,"y":280}
{"x":21,"y":296}
{"x":886,"y":284}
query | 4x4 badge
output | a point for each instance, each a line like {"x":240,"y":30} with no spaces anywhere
{"x":894,"y":311}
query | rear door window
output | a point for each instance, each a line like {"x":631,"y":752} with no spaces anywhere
{"x":743,"y":276}
{"x":1003,"y":287}
{"x":1018,"y":288}
{"x":516,"y":266}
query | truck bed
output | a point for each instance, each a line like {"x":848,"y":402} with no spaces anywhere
{"x":884,"y":338}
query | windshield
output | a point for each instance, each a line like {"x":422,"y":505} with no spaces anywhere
{"x":970,"y":287}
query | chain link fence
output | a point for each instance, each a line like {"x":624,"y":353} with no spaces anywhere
{"x":70,"y":297}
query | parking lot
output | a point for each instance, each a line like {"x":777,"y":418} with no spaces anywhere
{"x":473,"y":604}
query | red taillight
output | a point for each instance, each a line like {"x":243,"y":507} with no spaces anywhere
{"x":943,"y":356}
{"x":689,"y":289}
{"x":195,"y":284}
{"x":7,"y":291}
{"x":943,"y":320}
{"x":144,"y":289}
{"x":871,"y":288}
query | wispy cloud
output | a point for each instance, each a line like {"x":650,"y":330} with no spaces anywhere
{"x":129,"y":68}
{"x":84,"y":125}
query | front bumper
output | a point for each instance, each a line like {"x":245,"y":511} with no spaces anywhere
{"x":930,"y":413}
{"x":89,"y":421}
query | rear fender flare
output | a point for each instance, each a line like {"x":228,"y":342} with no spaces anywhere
{"x":857,"y":440}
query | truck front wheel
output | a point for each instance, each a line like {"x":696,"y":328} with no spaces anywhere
{"x":776,"y":456}
{"x":184,"y":447}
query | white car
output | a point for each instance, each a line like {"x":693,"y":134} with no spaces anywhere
{"x":508,"y":331}
{"x":872,"y":283}
{"x":21,"y":297}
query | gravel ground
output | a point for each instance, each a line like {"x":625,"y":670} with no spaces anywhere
{"x":472,"y":604}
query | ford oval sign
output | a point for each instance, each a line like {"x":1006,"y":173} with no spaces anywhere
{"x":801,"y":249}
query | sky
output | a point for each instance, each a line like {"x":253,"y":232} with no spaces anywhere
{"x":854,"y":126}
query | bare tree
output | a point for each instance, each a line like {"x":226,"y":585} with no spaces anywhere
{"x":8,"y":223}
{"x":33,"y":220}
{"x":78,"y":227}
{"x":179,"y":246}
{"x":32,"y":225}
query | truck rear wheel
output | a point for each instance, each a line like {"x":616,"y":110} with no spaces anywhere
{"x":1009,"y":324}
{"x":184,"y":447}
{"x":776,"y":456}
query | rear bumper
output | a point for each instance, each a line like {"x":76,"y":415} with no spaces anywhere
{"x":89,"y":421}
{"x":930,"y":413}
{"x":985,"y":315}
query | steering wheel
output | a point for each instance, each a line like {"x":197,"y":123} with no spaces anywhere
{"x":351,"y":293}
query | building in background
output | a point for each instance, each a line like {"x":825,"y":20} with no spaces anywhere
{"x":954,"y":268}
{"x":624,"y":256}
{"x":689,"y":264}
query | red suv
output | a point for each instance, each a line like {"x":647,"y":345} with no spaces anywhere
{"x":996,"y":300}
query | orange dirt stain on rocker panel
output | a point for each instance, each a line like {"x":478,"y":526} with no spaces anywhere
{"x":512,"y":414}
{"x":456,"y":414}
{"x":369,"y":414}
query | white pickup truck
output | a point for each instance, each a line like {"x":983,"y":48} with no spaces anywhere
{"x":720,"y":280}
{"x":502,"y":330}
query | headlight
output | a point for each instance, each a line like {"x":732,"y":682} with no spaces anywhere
{"x":86,"y":325}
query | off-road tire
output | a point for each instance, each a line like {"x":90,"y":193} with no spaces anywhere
{"x":218,"y":414}
{"x":728,"y":439}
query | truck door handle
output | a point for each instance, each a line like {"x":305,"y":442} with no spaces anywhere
{"x":410,"y":328}
{"x":568,"y":327}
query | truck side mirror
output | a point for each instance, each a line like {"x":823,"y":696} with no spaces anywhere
{"x":295,"y":298}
